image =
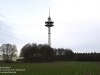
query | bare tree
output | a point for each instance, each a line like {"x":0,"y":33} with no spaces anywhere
{"x":8,"y":51}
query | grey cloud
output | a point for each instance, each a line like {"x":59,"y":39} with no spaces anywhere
{"x":2,"y":15}
{"x":6,"y":33}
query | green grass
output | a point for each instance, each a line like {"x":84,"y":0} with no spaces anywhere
{"x":54,"y":68}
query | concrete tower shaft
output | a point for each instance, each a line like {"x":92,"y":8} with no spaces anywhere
{"x":49,"y":37}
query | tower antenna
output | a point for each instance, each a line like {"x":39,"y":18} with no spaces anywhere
{"x":49,"y":11}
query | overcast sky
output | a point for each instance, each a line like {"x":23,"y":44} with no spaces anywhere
{"x":76,"y":23}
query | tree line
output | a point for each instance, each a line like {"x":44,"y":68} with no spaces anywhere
{"x":44,"y":53}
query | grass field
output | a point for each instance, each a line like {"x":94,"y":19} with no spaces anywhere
{"x":52,"y":68}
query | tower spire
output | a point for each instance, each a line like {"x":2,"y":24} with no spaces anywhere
{"x":49,"y":11}
{"x":49,"y":15}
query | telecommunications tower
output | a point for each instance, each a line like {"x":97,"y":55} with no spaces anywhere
{"x":49,"y":24}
